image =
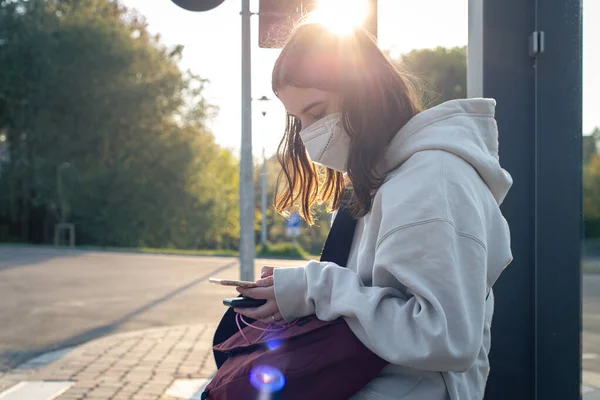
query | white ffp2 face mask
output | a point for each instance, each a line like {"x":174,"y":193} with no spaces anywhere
{"x":327,"y":143}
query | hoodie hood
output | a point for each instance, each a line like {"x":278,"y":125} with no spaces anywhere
{"x":466,"y":128}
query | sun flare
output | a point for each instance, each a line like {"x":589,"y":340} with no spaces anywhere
{"x":341,"y":16}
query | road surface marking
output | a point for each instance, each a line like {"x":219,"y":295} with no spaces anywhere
{"x":589,"y":356}
{"x":187,"y":388}
{"x":590,"y":378}
{"x":36,"y":390}
{"x":587,"y":389}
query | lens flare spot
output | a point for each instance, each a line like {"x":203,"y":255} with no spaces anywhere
{"x":274,"y":344}
{"x":267,"y":379}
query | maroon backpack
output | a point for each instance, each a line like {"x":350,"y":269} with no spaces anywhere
{"x":311,"y":359}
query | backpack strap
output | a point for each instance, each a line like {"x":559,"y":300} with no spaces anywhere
{"x":339,"y":241}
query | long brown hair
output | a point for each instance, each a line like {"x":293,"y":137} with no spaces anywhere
{"x":376,"y":102}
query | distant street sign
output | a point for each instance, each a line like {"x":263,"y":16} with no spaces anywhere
{"x":293,"y":225}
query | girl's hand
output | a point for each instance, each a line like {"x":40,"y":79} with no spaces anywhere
{"x":266,"y":272}
{"x":269,"y":312}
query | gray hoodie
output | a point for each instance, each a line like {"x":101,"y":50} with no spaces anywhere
{"x":417,"y":288}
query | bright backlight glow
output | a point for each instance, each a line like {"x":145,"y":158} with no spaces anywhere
{"x":341,"y":16}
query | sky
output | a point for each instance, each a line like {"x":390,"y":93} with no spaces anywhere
{"x":213,"y":50}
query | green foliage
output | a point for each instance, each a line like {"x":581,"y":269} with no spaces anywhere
{"x":591,"y":185}
{"x":105,"y":131}
{"x":590,"y":145}
{"x":282,"y":251}
{"x":441,"y":73}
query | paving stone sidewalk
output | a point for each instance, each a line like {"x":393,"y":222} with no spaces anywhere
{"x":129,"y":366}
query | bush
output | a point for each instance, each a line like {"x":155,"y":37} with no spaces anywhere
{"x":5,"y":235}
{"x":282,"y":250}
{"x":592,"y":228}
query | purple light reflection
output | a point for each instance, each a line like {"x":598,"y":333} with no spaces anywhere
{"x":267,"y":379}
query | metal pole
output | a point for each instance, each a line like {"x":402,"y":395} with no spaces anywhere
{"x":264,"y":200}
{"x":59,"y":190}
{"x":246,"y":164}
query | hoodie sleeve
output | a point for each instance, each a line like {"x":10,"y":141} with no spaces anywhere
{"x":426,"y":307}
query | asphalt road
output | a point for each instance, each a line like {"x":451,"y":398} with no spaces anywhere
{"x":52,"y":299}
{"x":591,"y":323}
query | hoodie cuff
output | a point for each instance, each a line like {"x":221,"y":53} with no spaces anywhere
{"x":291,"y":293}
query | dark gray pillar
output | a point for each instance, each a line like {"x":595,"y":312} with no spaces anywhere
{"x":527,"y":55}
{"x":559,"y":204}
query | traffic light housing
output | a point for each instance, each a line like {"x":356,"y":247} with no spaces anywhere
{"x":198,"y":5}
{"x":277,"y":19}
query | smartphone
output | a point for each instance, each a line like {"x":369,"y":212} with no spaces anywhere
{"x":229,"y":282}
{"x":243,"y":302}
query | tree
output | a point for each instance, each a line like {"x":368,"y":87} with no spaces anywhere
{"x":441,"y":73}
{"x":84,"y":82}
{"x":590,"y":145}
{"x":591,"y":184}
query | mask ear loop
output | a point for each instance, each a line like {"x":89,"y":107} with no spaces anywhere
{"x":239,"y":320}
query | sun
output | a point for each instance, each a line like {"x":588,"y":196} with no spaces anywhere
{"x":341,"y":16}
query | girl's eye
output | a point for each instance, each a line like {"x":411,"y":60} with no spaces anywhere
{"x":317,"y":117}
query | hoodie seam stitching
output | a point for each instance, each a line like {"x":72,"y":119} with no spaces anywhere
{"x":428,"y":221}
{"x":442,"y":184}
